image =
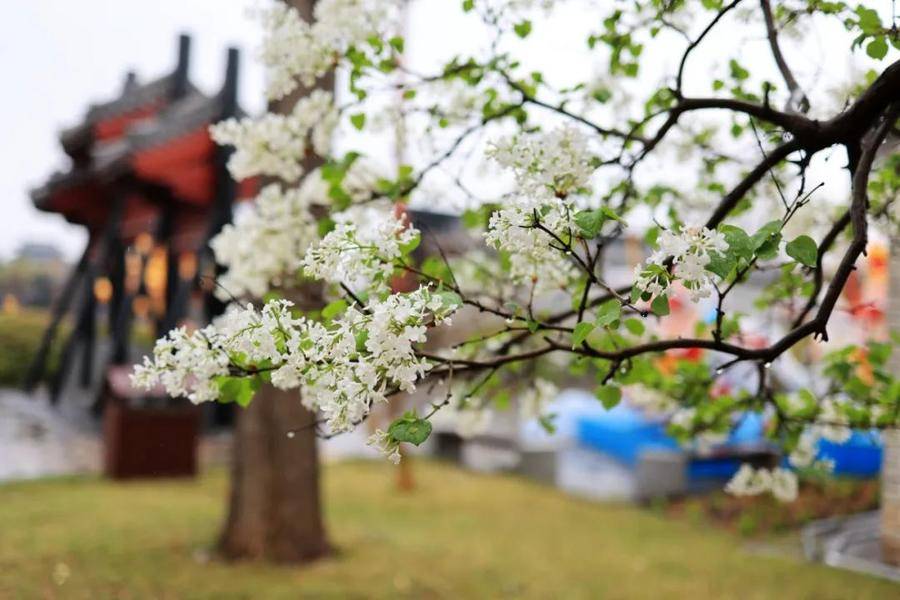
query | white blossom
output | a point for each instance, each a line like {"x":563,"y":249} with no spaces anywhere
{"x":804,"y":454}
{"x":342,"y":369}
{"x":689,"y":248}
{"x":297,"y":52}
{"x":274,"y":145}
{"x":185,"y":364}
{"x":784,"y":485}
{"x":534,"y":256}
{"x":748,"y":481}
{"x":384,"y":443}
{"x":831,"y":423}
{"x":265,"y":246}
{"x":557,"y":163}
{"x":363,"y":248}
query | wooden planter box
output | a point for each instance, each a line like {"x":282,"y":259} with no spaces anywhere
{"x":147,"y":442}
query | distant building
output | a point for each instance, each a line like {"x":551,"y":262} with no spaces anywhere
{"x":33,"y":277}
{"x":38,"y":251}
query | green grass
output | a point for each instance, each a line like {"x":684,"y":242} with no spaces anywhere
{"x":457,"y":536}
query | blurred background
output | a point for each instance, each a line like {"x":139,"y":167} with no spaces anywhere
{"x":111,"y":191}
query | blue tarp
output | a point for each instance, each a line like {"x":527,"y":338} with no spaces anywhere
{"x":624,"y":433}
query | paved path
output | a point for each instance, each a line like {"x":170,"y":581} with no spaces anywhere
{"x":36,"y":440}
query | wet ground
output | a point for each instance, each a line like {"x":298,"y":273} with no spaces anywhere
{"x":36,"y":440}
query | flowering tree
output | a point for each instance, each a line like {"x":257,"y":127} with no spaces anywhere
{"x":719,"y":170}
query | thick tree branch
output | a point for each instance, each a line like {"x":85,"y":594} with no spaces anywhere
{"x":798,"y":97}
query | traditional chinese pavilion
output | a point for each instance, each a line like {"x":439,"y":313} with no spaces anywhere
{"x":151,"y":188}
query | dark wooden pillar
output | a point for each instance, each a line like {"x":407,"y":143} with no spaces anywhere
{"x":61,"y":306}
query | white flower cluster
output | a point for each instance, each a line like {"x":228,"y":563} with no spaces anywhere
{"x":748,"y":481}
{"x":275,"y":145}
{"x":185,"y":364}
{"x":387,"y":445}
{"x":363,"y":247}
{"x":265,"y":246}
{"x":534,"y":256}
{"x":830,"y":424}
{"x":689,"y":249}
{"x":549,"y":168}
{"x":557,"y":163}
{"x":297,"y":52}
{"x":341,"y":369}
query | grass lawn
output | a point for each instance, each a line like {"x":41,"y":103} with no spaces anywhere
{"x":458,"y":536}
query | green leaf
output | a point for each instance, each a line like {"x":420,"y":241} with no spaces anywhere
{"x":397,"y":43}
{"x":361,"y":338}
{"x":764,"y":234}
{"x":410,"y":428}
{"x":635,"y":326}
{"x":609,"y":312}
{"x":468,"y":5}
{"x":869,"y":21}
{"x":590,"y":222}
{"x":720,"y":264}
{"x":765,"y":241}
{"x":877,"y":48}
{"x":523,"y":29}
{"x":358,"y":120}
{"x":411,"y":245}
{"x":546,"y":422}
{"x":608,"y":395}
{"x":333,"y":309}
{"x":739,"y":243}
{"x":580,"y":333}
{"x":324,"y":225}
{"x":737,"y":71}
{"x":803,"y":249}
{"x":450,"y":299}
{"x":660,"y":305}
{"x":237,"y":389}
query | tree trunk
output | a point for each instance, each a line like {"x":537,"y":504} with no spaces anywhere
{"x":890,"y":466}
{"x":274,"y":512}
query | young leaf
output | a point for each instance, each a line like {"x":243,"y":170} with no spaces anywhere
{"x":411,"y":429}
{"x":635,"y":326}
{"x":720,"y":264}
{"x":803,"y":249}
{"x":450,"y":299}
{"x":333,"y":309}
{"x":582,"y":330}
{"x":660,"y":306}
{"x":237,"y":389}
{"x":739,"y":243}
{"x":608,"y":313}
{"x":608,"y":395}
{"x":523,"y":29}
{"x":590,"y":222}
{"x":358,"y":120}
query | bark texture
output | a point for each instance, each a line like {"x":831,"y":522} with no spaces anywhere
{"x":274,"y":512}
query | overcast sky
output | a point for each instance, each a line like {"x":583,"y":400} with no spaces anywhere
{"x":57,"y":56}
